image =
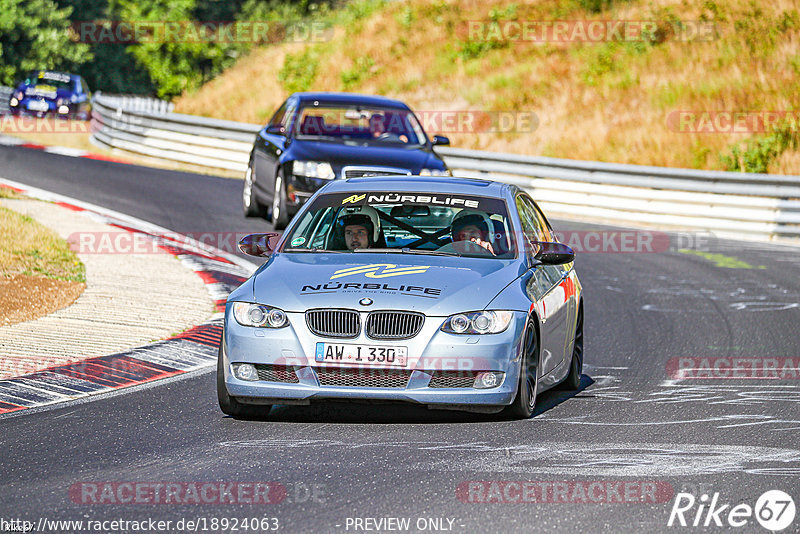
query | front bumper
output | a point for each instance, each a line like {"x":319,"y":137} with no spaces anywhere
{"x":430,"y":351}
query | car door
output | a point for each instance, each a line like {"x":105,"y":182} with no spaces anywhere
{"x":543,"y":290}
{"x":270,"y":144}
{"x":566,"y":280}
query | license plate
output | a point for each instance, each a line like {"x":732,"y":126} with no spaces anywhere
{"x":37,"y":105}
{"x":357,"y":355}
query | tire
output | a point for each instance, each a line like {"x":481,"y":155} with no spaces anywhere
{"x":250,"y":204}
{"x":229,"y":405}
{"x":573,"y":380}
{"x":528,"y":386}
{"x":279,"y":215}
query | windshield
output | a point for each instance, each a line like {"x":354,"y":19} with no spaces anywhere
{"x":358,"y":124}
{"x":49,"y":80}
{"x":405,"y":223}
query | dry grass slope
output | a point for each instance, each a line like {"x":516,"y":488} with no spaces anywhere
{"x":600,"y":101}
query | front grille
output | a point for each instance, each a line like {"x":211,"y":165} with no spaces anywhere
{"x":363,"y":378}
{"x":355,"y":172}
{"x":276,"y":373}
{"x":334,"y":323}
{"x":394,"y":324}
{"x":452,"y":379}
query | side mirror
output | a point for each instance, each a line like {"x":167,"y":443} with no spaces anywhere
{"x":256,"y":244}
{"x":440,"y":140}
{"x":276,"y":129}
{"x":554,"y":253}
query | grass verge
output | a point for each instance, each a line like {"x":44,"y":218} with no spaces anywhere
{"x":28,"y":248}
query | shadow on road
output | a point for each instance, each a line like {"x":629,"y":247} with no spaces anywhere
{"x":364,"y":412}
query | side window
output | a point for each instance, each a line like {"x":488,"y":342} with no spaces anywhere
{"x":530,"y":224}
{"x":546,"y":229}
{"x":277,"y":119}
{"x":536,"y":229}
{"x":291,"y":107}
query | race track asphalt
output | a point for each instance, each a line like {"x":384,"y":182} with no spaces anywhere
{"x":630,"y":424}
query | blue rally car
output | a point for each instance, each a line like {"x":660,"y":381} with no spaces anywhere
{"x":46,"y":92}
{"x":446,"y":292}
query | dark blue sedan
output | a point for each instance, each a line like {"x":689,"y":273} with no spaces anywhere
{"x":314,"y":138}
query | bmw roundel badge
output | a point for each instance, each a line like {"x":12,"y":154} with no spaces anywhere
{"x":365,"y":301}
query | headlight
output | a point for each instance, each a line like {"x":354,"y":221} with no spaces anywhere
{"x":480,"y":322}
{"x":63,"y":110}
{"x":18,"y":95}
{"x":435,"y":172}
{"x":258,"y":315}
{"x":313,"y":169}
{"x":13,"y":102}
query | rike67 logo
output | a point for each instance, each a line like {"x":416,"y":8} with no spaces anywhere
{"x":774,"y":510}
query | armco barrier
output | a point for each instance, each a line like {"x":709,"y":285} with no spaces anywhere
{"x":742,"y":205}
{"x":5,"y":95}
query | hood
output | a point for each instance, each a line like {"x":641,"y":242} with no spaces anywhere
{"x":339,"y":155}
{"x":433,"y":285}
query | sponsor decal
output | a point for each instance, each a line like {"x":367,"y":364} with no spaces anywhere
{"x":334,"y":287}
{"x":398,"y":198}
{"x":391,"y":198}
{"x":352,"y":199}
{"x":57,"y":76}
{"x":380,"y":270}
{"x":375,"y":270}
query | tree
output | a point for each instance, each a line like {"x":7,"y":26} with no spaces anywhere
{"x":34,"y":35}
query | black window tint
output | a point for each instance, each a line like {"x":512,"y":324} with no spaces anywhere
{"x":279,"y":115}
{"x":530,"y":223}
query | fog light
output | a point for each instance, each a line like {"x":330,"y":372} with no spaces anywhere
{"x":63,"y":110}
{"x":245,"y":371}
{"x":488,"y":379}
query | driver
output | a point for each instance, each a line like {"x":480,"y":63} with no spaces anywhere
{"x":359,"y":229}
{"x":471,"y":228}
{"x":376,"y":126}
{"x":379,"y":127}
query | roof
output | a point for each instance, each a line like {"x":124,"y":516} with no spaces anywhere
{"x":351,"y":98}
{"x":434,"y":184}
